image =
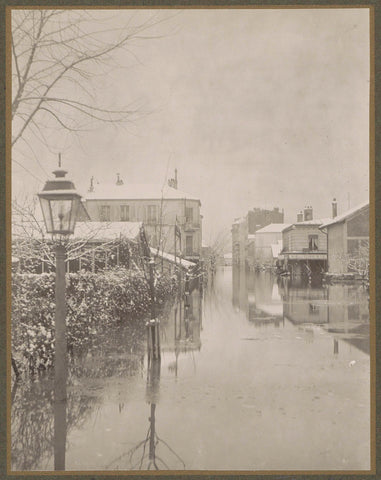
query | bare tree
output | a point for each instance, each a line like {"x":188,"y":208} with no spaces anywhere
{"x":55,"y":56}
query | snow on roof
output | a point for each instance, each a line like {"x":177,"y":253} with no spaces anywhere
{"x":345,"y":215}
{"x":273,"y":228}
{"x":171,"y":258}
{"x":107,"y":230}
{"x":136,"y":191}
{"x":91,"y":230}
{"x":317,"y":222}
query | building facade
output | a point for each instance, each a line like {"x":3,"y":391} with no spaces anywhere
{"x":265,"y":240}
{"x":259,"y":218}
{"x":304,"y":248}
{"x":348,"y":240}
{"x":171,"y":217}
{"x":239,"y":242}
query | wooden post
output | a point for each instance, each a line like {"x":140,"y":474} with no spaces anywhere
{"x":153,"y":335}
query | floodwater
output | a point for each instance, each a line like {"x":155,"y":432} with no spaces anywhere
{"x":256,"y":374}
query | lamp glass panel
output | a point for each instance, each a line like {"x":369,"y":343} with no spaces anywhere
{"x":75,"y":212}
{"x":45,"y":207}
{"x":61,"y":215}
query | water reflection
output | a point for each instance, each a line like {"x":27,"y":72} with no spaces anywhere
{"x":149,"y":453}
{"x":181,"y":328}
{"x":233,"y":379}
{"x":342,"y":310}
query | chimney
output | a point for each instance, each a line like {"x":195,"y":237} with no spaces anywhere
{"x":308,"y":213}
{"x":334,"y":208}
{"x":91,"y":188}
{"x":119,"y":181}
{"x":299,"y":217}
{"x":175,"y":183}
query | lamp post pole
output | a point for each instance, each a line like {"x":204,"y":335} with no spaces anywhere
{"x":60,"y":362}
{"x":61,"y":205}
{"x":60,"y":366}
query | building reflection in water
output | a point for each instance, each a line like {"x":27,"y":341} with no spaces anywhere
{"x":181,"y":328}
{"x":341,"y":310}
{"x":257,"y":295}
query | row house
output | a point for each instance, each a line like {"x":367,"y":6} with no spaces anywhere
{"x":348,"y":240}
{"x":304,"y":246}
{"x":171,"y":217}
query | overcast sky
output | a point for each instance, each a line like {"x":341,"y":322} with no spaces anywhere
{"x":255,"y":108}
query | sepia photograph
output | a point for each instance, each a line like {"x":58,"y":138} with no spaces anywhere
{"x":191,"y":240}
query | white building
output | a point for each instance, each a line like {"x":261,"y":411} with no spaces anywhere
{"x":160,"y":208}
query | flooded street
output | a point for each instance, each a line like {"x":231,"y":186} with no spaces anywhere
{"x":285,"y":367}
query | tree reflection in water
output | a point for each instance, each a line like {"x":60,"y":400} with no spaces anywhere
{"x":34,"y":435}
{"x":144,"y":455}
{"x":39,"y":425}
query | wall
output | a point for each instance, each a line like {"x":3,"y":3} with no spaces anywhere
{"x":160,"y":227}
{"x":263,"y":242}
{"x":336,"y":248}
{"x":296,"y":239}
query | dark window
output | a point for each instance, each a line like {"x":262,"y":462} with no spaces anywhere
{"x":151,"y":214}
{"x":124,"y":213}
{"x":189,"y":214}
{"x":353,"y":312}
{"x":105,"y":213}
{"x":359,"y":225}
{"x":189,"y":245}
{"x":358,"y":247}
{"x":313,"y":242}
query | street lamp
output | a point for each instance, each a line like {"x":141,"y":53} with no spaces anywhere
{"x":61,"y":206}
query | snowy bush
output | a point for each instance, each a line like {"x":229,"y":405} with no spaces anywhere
{"x":96,"y":302}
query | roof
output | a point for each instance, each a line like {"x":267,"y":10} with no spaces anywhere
{"x":171,"y":258}
{"x":106,"y":230}
{"x":345,"y":215}
{"x":273,"y":228}
{"x":317,"y":222}
{"x":137,"y":191}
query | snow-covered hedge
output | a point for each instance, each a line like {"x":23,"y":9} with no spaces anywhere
{"x":95,"y":303}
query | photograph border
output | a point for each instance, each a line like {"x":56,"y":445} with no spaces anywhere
{"x":5,"y":235}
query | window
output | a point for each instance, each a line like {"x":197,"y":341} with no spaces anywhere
{"x":189,"y":245}
{"x":189,"y":214}
{"x":124,"y":213}
{"x":151,"y":214}
{"x":105,"y":213}
{"x":313,"y":242}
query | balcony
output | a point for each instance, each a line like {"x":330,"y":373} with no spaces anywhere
{"x":191,"y":226}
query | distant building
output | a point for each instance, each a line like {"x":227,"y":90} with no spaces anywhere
{"x":259,"y":218}
{"x":304,"y":247}
{"x":348,"y":240}
{"x":239,"y":242}
{"x":171,"y":217}
{"x":266,"y":239}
